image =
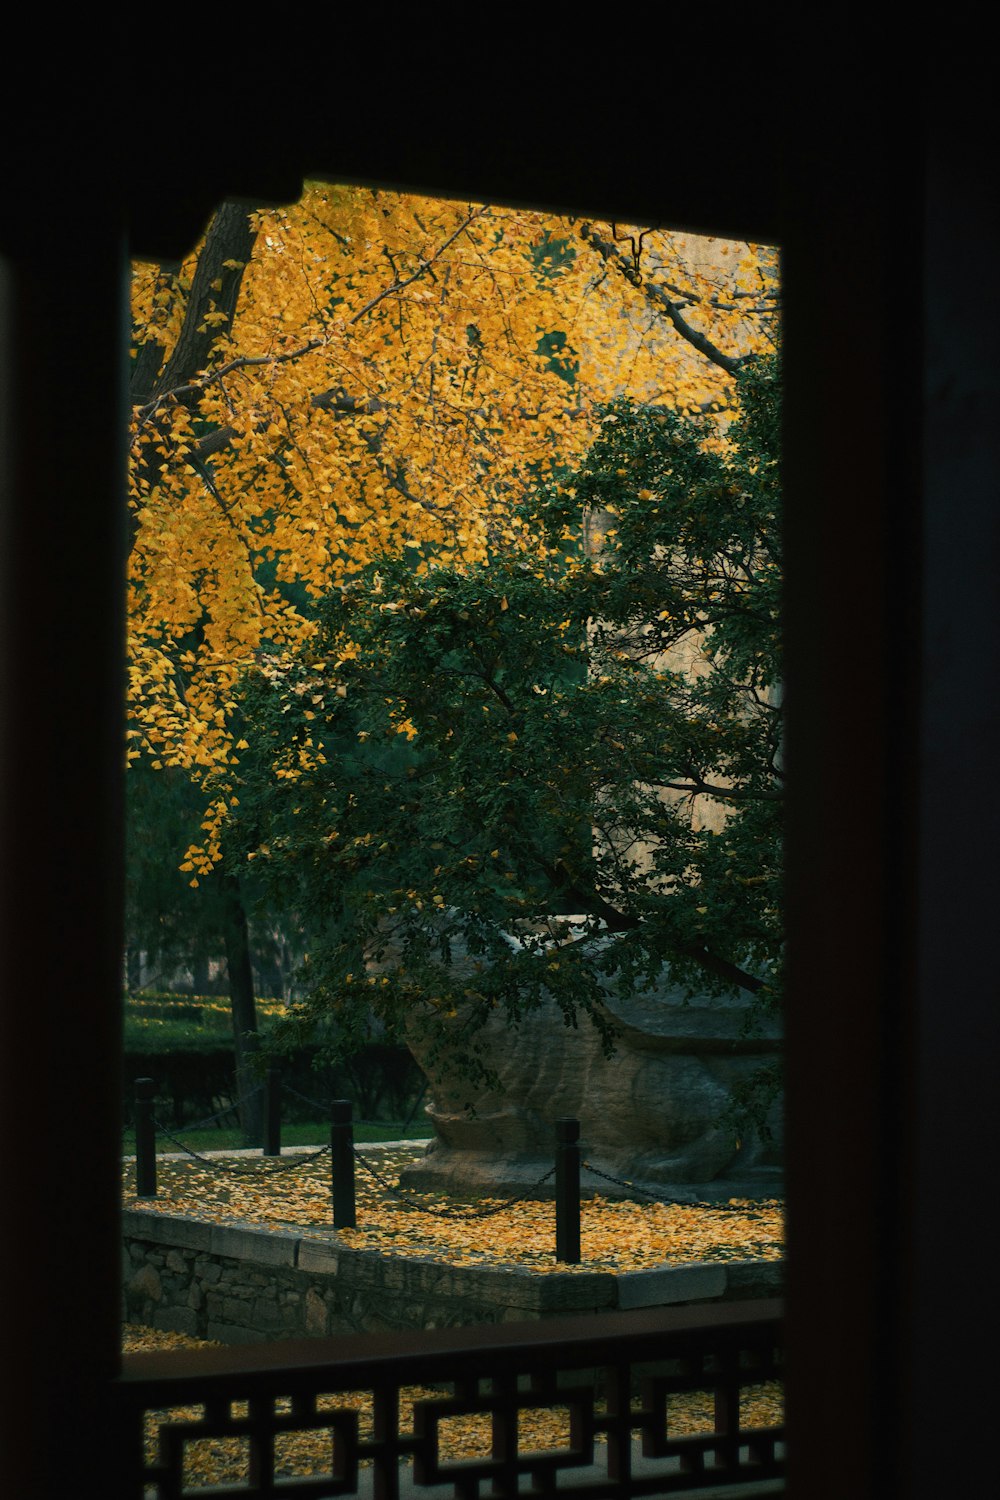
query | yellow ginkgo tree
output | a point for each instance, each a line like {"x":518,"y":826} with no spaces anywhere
{"x":366,"y":374}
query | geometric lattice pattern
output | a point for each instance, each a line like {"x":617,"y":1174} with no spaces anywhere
{"x":614,"y":1378}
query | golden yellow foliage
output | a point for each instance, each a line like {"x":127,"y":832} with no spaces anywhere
{"x":365,"y":371}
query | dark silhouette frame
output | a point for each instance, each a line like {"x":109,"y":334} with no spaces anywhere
{"x":887,"y":223}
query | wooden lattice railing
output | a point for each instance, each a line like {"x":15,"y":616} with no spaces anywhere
{"x":611,"y":1376}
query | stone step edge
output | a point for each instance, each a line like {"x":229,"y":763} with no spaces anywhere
{"x":327,"y":1255}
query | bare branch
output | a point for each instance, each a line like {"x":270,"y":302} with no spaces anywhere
{"x":593,"y":902}
{"x":423,"y":267}
{"x":223,"y":245}
{"x":658,"y":296}
{"x":244,"y":362}
{"x":205,"y":474}
{"x":696,"y":788}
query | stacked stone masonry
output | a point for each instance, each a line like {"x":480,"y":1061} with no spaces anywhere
{"x":238,"y":1283}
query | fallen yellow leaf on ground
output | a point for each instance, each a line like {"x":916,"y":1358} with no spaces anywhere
{"x":614,"y":1235}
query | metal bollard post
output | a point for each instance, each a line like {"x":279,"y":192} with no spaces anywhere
{"x":272,"y":1113}
{"x":568,"y":1191}
{"x":342,"y":1163}
{"x":145,"y":1138}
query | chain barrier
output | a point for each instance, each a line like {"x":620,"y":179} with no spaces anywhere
{"x":269,"y":1165}
{"x":667,"y":1202}
{"x":446,"y":1213}
{"x":231,"y":1109}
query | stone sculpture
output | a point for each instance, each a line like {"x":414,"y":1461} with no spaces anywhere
{"x":652,"y":1114}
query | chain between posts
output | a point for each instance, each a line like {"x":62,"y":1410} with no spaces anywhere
{"x":569,"y":1162}
{"x":655,"y":1198}
{"x":346,"y":1209}
{"x":448,"y":1213}
{"x":230,"y":1109}
{"x":233,"y":1109}
{"x":271,"y":1169}
{"x":274,"y":1168}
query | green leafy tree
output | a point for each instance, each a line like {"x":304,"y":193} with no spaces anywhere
{"x":168,"y":925}
{"x":464,"y":757}
{"x":320,"y":383}
{"x":174,"y":926}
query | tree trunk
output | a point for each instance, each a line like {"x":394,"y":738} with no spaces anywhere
{"x":244,"y":1011}
{"x":215,"y":289}
{"x":199,"y":973}
{"x":133,"y":969}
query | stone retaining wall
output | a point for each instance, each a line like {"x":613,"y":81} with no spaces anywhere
{"x":239,"y":1283}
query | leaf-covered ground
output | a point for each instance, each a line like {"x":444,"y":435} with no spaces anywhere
{"x":614,"y":1235}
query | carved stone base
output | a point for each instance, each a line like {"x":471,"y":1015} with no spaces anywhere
{"x":650,"y":1114}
